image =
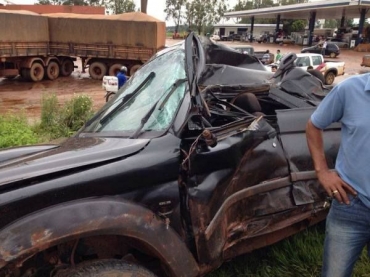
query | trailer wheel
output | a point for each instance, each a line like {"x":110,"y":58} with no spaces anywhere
{"x":329,"y":78}
{"x":114,"y":69}
{"x":67,"y":68}
{"x":134,"y":68}
{"x":52,"y":70}
{"x":36,"y":72}
{"x":97,"y":70}
{"x":106,"y":268}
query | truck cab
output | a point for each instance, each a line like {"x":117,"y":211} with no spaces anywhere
{"x":197,"y":160}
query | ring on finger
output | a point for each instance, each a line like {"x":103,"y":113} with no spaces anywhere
{"x":334,"y":192}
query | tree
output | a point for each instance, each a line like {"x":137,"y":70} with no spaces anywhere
{"x":50,"y":2}
{"x":331,"y":23}
{"x":243,"y":5}
{"x":298,"y":25}
{"x":200,"y":13}
{"x":174,"y":10}
{"x":121,"y":6}
{"x":72,"y":2}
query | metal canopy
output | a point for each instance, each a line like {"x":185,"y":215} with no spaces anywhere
{"x":331,"y":9}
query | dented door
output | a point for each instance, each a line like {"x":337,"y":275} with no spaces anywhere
{"x":237,"y":191}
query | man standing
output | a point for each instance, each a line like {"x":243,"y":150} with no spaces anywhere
{"x":348,"y":221}
{"x":278,"y":56}
{"x":323,"y":47}
{"x":266,"y":57}
{"x":122,"y":78}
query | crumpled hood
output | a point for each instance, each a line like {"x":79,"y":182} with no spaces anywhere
{"x":72,"y":154}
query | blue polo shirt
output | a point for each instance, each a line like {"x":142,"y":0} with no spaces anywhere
{"x":121,"y":79}
{"x":349,"y":103}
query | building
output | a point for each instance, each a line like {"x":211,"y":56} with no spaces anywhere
{"x":243,"y":29}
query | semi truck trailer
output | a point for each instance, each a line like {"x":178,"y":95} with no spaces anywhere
{"x":53,"y":42}
{"x":25,"y":48}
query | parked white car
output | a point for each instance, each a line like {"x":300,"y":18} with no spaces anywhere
{"x":329,"y":69}
{"x":285,"y":40}
{"x":215,"y":37}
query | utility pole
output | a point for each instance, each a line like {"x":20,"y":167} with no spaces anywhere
{"x":144,"y":4}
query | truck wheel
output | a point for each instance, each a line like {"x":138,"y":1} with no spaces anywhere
{"x":332,"y":55}
{"x":114,"y":69}
{"x":36,"y":72}
{"x":134,"y":68}
{"x":97,"y":70}
{"x":52,"y":71}
{"x":106,"y":268}
{"x":329,"y":78}
{"x":67,"y":68}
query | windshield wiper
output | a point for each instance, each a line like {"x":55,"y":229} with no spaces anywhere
{"x":127,"y":97}
{"x":173,"y":89}
{"x":152,"y":109}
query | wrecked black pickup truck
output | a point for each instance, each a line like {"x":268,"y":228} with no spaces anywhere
{"x":196,"y":160}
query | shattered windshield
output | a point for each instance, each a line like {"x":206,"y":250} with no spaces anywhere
{"x":150,"y":99}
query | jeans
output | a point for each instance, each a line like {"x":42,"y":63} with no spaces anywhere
{"x":347,"y":232}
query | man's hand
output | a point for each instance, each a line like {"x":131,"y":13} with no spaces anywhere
{"x":335,"y":186}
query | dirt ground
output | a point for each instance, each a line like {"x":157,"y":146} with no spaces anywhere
{"x":18,"y":95}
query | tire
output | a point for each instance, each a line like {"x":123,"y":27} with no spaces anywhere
{"x":332,"y":55}
{"x":134,"y":68}
{"x":105,"y":268}
{"x":97,"y":70}
{"x":67,"y":68}
{"x":109,"y":96}
{"x":52,"y":71}
{"x":36,"y":72}
{"x":114,"y":69}
{"x":329,"y":78}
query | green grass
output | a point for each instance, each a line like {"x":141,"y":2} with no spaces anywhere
{"x":15,"y":131}
{"x":300,"y":255}
{"x":57,"y":121}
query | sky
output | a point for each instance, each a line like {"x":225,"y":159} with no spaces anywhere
{"x":155,"y":7}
